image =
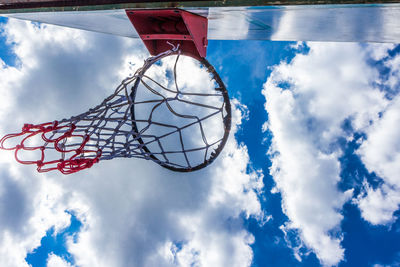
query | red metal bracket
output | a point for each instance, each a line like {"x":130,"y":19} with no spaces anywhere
{"x":156,"y":27}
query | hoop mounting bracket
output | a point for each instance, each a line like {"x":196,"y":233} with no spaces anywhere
{"x":157,"y":27}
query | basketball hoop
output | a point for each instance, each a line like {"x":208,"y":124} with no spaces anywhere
{"x":179,"y":129}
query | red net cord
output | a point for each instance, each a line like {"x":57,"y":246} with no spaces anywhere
{"x":76,"y":162}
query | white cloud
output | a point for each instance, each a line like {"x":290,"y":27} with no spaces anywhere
{"x":379,"y":51}
{"x":329,"y":85}
{"x":393,"y":79}
{"x":133,"y":211}
{"x":29,"y":206}
{"x":56,"y":261}
{"x":381,"y":154}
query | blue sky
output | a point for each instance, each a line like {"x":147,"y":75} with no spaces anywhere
{"x":308,"y":178}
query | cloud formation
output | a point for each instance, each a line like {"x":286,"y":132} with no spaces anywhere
{"x":309,"y":101}
{"x":381,"y":154}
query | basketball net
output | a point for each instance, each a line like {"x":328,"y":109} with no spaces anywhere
{"x":117,"y":128}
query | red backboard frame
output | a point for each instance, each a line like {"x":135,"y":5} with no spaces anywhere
{"x":157,"y":27}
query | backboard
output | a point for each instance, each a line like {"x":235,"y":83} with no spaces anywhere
{"x":325,"y":20}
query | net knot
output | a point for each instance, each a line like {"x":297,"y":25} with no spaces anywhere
{"x":75,"y":165}
{"x":70,"y":131}
{"x":27,"y":127}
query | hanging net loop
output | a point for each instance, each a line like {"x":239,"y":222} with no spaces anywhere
{"x":164,"y":113}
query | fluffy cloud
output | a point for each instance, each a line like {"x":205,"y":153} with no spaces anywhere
{"x":133,"y":211}
{"x":55,"y":261}
{"x":381,"y":154}
{"x":29,"y":206}
{"x":158,"y":211}
{"x":308,"y":101}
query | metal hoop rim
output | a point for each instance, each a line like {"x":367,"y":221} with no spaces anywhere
{"x":227,"y":119}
